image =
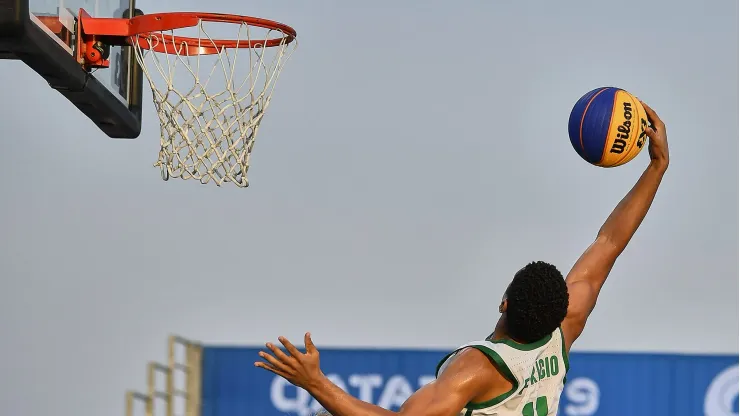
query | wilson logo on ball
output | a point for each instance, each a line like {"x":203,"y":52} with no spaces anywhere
{"x":623,"y":131}
{"x":603,"y":127}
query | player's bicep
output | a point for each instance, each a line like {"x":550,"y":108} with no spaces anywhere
{"x":434,"y":399}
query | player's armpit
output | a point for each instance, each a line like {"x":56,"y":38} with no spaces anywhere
{"x":580,"y":294}
{"x":584,"y":284}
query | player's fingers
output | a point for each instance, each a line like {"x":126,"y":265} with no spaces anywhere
{"x":310,"y":348}
{"x":650,"y":132}
{"x":652,"y":115}
{"x":279,"y":354}
{"x":268,"y":367}
{"x":290,"y":347}
{"x":274,"y":362}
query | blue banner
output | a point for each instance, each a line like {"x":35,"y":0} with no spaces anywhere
{"x":598,"y":384}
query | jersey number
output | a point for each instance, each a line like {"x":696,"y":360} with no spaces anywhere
{"x":540,"y":405}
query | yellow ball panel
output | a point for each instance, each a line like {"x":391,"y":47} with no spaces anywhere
{"x":626,"y":136}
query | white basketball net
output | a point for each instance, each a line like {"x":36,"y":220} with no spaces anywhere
{"x":210,"y":106}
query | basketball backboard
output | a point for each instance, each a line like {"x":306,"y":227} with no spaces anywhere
{"x":42,"y":33}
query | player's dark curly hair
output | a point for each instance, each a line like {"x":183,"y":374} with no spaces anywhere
{"x":537,"y":302}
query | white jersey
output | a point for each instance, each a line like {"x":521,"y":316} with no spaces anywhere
{"x":537,"y":372}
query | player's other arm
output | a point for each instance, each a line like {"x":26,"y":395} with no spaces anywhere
{"x":592,"y":268}
{"x":467,"y":377}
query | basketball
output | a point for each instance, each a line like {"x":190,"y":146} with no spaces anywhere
{"x":607,"y":127}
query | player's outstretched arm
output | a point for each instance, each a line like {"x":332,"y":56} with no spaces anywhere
{"x":590,"y":271}
{"x":469,"y":375}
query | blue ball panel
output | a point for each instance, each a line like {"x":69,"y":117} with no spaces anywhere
{"x":596,"y":124}
{"x":574,"y":122}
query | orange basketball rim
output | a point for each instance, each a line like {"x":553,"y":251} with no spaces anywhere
{"x":138,"y":29}
{"x":210,"y":98}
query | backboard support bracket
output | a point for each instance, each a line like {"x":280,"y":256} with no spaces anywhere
{"x":24,"y":40}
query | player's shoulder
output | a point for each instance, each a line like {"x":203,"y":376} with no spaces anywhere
{"x":469,"y":356}
{"x":468,"y":359}
{"x":470,"y":370}
{"x":472,"y":361}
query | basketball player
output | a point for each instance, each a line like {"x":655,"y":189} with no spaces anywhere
{"x":519,"y":370}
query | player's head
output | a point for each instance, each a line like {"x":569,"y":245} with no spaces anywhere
{"x":535,"y":303}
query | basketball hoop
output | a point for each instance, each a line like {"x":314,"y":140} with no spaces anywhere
{"x":210,"y":94}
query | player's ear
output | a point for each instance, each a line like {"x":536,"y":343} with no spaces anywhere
{"x":502,"y":307}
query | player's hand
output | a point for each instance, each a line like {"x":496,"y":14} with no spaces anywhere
{"x":300,"y":369}
{"x":658,"y":146}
